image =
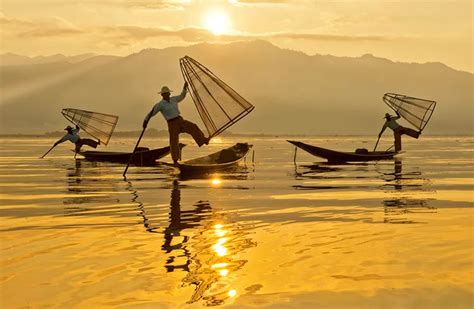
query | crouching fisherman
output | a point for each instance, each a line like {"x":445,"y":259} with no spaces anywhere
{"x":398,"y":130}
{"x":74,"y":138}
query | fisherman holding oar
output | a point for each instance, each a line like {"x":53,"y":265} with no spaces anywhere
{"x":73,"y":136}
{"x":398,"y":130}
{"x":168,"y":106}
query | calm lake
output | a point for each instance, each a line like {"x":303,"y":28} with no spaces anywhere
{"x":270,"y":233}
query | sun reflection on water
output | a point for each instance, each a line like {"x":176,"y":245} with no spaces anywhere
{"x":216,"y":181}
{"x":202,"y":242}
{"x":223,"y":272}
{"x":219,"y":265}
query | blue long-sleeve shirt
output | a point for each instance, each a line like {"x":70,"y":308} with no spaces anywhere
{"x":73,"y":137}
{"x":169,"y":109}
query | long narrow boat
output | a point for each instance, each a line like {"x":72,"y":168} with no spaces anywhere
{"x":220,"y":160}
{"x":338,"y":156}
{"x":143,"y":156}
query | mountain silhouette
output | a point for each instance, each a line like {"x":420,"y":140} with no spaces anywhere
{"x":293,"y":92}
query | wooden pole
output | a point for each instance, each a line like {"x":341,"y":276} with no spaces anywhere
{"x":134,"y":150}
{"x":377,"y":143}
{"x":47,"y":152}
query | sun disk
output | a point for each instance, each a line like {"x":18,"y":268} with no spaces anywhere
{"x":217,"y":22}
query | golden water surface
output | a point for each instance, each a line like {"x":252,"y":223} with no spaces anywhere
{"x":394,"y":234}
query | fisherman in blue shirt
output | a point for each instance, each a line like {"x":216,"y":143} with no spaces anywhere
{"x":168,"y":107}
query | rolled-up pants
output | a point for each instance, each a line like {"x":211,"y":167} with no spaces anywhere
{"x":398,"y":132}
{"x":179,"y":125}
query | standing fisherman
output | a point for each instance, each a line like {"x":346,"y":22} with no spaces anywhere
{"x":398,"y":130}
{"x":168,"y":106}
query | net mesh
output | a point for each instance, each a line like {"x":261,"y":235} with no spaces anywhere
{"x":98,"y":125}
{"x":218,"y":104}
{"x":414,"y":110}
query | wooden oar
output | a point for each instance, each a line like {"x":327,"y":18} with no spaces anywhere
{"x":134,"y":150}
{"x":389,"y":148}
{"x":47,"y":152}
{"x":377,"y":143}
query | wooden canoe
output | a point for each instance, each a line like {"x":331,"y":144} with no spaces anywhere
{"x":220,"y":160}
{"x":338,"y":156}
{"x":143,"y":155}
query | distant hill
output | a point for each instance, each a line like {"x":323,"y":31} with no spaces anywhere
{"x":13,"y":59}
{"x":293,"y":92}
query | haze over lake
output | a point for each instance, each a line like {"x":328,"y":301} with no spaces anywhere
{"x":292,"y":91}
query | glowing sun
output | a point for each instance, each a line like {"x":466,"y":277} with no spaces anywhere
{"x":217,"y":22}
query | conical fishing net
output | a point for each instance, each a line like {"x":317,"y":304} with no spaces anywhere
{"x":218,"y":104}
{"x":98,"y":125}
{"x":414,"y":110}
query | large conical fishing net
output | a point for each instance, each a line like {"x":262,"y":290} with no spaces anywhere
{"x":98,"y":125}
{"x":414,"y":110}
{"x":218,"y":104}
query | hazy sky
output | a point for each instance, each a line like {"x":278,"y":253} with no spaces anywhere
{"x":403,"y":30}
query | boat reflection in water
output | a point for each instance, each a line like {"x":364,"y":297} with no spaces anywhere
{"x":398,"y":189}
{"x":202,"y":242}
{"x":94,"y":190}
{"x":88,"y":183}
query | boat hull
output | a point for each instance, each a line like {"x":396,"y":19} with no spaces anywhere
{"x":218,"y":161}
{"x":140,"y":157}
{"x":338,"y":156}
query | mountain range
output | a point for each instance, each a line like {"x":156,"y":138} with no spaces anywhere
{"x":292,"y":92}
{"x":14,"y":59}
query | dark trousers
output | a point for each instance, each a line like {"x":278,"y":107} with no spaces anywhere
{"x":179,"y":125}
{"x":86,"y":141}
{"x":398,"y":132}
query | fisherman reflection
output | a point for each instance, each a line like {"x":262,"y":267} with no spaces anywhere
{"x":404,"y":181}
{"x":178,"y":221}
{"x":397,"y":208}
{"x":206,"y":252}
{"x":86,"y":185}
{"x":398,"y":168}
{"x":74,"y":179}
